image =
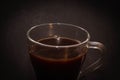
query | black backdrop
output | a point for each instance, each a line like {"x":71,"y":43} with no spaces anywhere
{"x":99,"y":17}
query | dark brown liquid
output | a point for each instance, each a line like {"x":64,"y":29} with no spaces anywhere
{"x":61,"y":63}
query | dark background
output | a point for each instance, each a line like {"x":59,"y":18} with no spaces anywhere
{"x":99,"y":17}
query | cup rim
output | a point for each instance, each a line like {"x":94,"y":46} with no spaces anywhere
{"x":53,"y":46}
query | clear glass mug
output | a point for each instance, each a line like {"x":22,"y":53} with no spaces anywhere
{"x":58,"y":51}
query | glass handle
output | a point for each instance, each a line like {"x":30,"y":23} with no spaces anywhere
{"x":97,"y":64}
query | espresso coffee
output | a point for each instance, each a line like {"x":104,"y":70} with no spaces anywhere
{"x":54,"y":63}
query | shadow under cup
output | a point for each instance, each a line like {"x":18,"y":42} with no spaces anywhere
{"x":57,"y":50}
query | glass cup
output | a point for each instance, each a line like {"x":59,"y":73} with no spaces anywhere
{"x":58,"y":50}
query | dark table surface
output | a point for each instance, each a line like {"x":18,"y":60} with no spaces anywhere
{"x":100,"y":18}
